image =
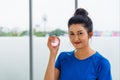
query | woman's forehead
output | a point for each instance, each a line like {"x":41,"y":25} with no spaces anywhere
{"x":76,"y":27}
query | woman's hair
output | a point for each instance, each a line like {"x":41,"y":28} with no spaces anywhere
{"x":81,"y":17}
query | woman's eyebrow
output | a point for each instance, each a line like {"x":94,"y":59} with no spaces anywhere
{"x":73,"y":31}
{"x":77,"y":31}
{"x":80,"y":31}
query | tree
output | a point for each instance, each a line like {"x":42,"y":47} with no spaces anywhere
{"x":57,"y":32}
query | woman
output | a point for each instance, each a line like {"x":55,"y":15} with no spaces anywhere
{"x":83,"y":63}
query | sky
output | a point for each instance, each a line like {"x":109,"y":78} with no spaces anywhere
{"x":14,"y":14}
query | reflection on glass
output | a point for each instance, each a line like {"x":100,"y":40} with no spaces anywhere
{"x":14,"y":45}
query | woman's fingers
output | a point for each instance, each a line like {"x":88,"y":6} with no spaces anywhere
{"x":53,"y":41}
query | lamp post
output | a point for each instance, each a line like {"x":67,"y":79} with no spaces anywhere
{"x":44,"y":21}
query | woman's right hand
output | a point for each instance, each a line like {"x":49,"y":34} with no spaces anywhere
{"x":53,"y":48}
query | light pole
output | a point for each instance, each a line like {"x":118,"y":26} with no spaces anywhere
{"x":44,"y":21}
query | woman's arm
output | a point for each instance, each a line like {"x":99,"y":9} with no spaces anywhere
{"x":57,"y":74}
{"x":51,"y":72}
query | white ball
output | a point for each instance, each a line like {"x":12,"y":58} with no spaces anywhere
{"x":55,"y":42}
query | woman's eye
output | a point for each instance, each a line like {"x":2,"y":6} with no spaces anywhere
{"x":80,"y":33}
{"x":71,"y":34}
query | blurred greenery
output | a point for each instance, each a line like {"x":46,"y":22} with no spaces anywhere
{"x":57,"y":32}
{"x":16,"y":33}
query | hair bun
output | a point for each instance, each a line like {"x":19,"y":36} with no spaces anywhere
{"x":81,"y":11}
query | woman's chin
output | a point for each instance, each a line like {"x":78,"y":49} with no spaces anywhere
{"x":77,"y":47}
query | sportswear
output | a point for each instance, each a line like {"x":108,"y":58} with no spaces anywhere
{"x":95,"y":67}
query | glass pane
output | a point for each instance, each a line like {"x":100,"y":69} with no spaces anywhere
{"x":50,"y":16}
{"x":14,"y":40}
{"x":106,"y":16}
{"x":47,"y":16}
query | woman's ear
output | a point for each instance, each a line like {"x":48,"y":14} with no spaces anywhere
{"x":90,"y":34}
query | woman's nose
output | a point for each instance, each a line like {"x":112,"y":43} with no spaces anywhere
{"x":76,"y":37}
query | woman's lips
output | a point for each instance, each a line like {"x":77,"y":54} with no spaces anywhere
{"x":77,"y":43}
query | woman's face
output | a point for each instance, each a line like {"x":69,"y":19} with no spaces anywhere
{"x":79,"y":36}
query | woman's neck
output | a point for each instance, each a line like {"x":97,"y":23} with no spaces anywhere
{"x":84,"y":53}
